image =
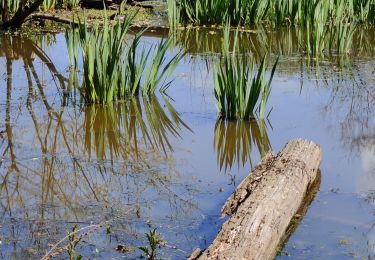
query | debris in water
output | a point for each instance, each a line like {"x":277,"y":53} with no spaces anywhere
{"x":122,"y":248}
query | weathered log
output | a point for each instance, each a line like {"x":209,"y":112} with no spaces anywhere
{"x":264,"y":204}
{"x":54,"y":18}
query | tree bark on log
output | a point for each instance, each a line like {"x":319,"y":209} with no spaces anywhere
{"x":264,"y":204}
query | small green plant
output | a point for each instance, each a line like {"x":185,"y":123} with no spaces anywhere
{"x":73,"y":242}
{"x":153,"y":242}
{"x":13,"y":5}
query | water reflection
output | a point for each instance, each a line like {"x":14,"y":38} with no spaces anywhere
{"x":234,"y":141}
{"x":120,"y":128}
{"x":62,"y":163}
{"x":262,"y":40}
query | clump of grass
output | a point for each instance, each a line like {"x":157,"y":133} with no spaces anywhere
{"x":102,"y":60}
{"x":240,"y":90}
{"x":149,"y":69}
{"x":287,"y":12}
{"x":116,"y":66}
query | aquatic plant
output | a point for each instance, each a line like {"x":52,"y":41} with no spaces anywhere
{"x":13,"y":5}
{"x":159,"y":71}
{"x":74,"y":240}
{"x":149,"y":69}
{"x":102,"y":51}
{"x":115,"y":67}
{"x":239,"y":89}
{"x":153,"y":241}
{"x":289,"y":12}
{"x":341,"y":38}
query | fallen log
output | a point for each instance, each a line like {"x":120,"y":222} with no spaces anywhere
{"x":265,"y":203}
{"x":54,"y":18}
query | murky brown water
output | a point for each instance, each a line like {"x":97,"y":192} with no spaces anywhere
{"x":167,"y":162}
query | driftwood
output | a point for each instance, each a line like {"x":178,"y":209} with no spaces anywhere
{"x":265,"y":203}
{"x":54,"y":18}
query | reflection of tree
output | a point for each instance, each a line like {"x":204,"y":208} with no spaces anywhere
{"x":86,"y":164}
{"x":234,"y":141}
{"x":350,"y":102}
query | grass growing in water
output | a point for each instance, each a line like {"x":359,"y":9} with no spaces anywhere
{"x":153,"y":240}
{"x":239,"y":89}
{"x":286,"y":12}
{"x":115,"y":67}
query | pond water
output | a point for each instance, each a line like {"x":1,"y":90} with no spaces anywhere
{"x":167,"y":162}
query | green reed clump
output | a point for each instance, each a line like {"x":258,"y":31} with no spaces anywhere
{"x":287,"y":12}
{"x":160,"y":70}
{"x":240,"y":89}
{"x":102,"y":60}
{"x":13,"y":5}
{"x":116,"y":66}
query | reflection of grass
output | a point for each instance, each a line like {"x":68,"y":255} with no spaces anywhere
{"x":313,"y":41}
{"x":234,"y":140}
{"x":121,"y":127}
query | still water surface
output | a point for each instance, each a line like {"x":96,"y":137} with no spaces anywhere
{"x":167,"y":162}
